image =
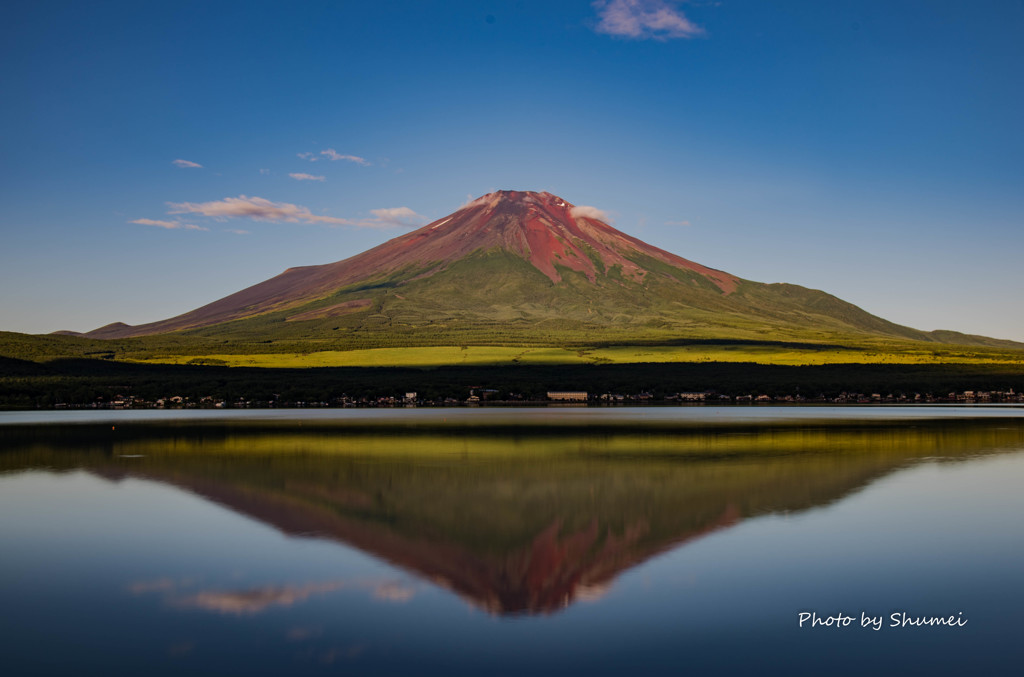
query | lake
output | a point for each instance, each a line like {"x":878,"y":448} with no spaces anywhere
{"x":699,"y":540}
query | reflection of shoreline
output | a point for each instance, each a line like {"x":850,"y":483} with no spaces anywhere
{"x":512,"y":535}
{"x":491,"y":435}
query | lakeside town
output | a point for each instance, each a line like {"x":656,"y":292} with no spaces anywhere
{"x":490,"y":397}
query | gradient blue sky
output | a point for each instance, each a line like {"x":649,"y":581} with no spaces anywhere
{"x":870,"y":149}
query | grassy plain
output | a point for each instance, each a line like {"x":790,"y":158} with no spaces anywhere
{"x":42,"y":371}
{"x":438,"y":356}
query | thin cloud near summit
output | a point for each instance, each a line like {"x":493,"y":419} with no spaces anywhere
{"x":586,"y":211}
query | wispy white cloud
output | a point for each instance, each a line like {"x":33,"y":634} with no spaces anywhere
{"x":299,"y":176}
{"x":332,"y":154}
{"x":586,"y":212}
{"x":262,"y":209}
{"x":264,"y":171}
{"x":677,"y":223}
{"x":255,"y":208}
{"x":644,"y":19}
{"x":169,"y":225}
{"x":238,"y":231}
{"x":186,"y":164}
{"x":471,"y":200}
{"x":394,"y":217}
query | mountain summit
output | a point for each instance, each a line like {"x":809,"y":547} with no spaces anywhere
{"x":519,"y":266}
{"x":545,"y":230}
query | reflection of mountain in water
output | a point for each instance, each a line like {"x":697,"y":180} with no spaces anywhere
{"x":525,"y":523}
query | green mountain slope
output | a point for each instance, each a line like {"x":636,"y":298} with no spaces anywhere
{"x":496,"y":297}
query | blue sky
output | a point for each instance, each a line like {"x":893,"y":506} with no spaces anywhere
{"x":870,"y":149}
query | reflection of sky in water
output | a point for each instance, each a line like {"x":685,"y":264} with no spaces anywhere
{"x":923,"y":538}
{"x":150,"y":527}
{"x":137,"y":575}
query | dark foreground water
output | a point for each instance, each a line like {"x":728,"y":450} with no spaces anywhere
{"x":651,"y":541}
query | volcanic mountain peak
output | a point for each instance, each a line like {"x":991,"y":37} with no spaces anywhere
{"x":547,"y":231}
{"x":517,"y":261}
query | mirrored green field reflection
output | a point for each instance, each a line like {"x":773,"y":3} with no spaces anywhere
{"x":281,"y":527}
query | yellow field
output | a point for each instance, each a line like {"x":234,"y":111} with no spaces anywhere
{"x":430,"y":357}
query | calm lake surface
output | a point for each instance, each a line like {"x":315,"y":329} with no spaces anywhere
{"x":511,"y":541}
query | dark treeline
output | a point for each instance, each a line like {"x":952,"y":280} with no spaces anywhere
{"x":26,"y":384}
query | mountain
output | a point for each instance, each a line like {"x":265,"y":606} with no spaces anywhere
{"x":528,"y":522}
{"x":519,"y":265}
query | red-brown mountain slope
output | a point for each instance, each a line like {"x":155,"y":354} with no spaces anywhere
{"x":542,"y":228}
